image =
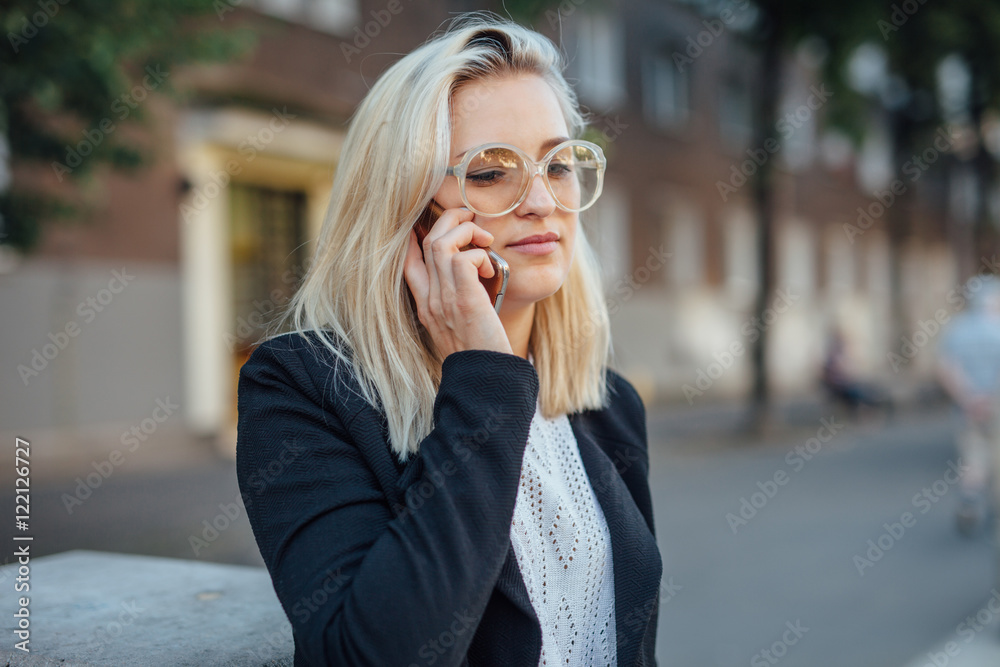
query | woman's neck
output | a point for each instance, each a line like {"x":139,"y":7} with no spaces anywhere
{"x":517,"y":322}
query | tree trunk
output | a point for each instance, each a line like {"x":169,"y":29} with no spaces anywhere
{"x":982,"y":232}
{"x":770,"y":75}
{"x":898,"y":227}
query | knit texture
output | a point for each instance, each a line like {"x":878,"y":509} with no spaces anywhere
{"x":563,"y":549}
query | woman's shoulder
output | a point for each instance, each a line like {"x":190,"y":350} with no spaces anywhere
{"x":308,"y":342}
{"x":621,"y":392}
{"x":304,"y":348}
{"x":304,"y":359}
{"x":622,"y":419}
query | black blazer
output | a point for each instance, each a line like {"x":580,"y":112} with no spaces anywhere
{"x":381,"y":563}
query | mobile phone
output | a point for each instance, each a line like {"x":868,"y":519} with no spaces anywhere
{"x":495,"y":286}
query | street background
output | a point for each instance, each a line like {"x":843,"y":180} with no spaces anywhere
{"x":801,"y":199}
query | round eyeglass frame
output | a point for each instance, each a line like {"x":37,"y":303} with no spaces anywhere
{"x":540,"y":167}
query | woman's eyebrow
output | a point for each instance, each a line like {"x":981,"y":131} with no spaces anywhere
{"x":546,"y":145}
{"x":555,"y":141}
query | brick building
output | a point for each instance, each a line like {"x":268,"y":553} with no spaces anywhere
{"x":168,"y":282}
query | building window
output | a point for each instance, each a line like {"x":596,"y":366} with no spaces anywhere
{"x":333,"y":16}
{"x":797,"y":124}
{"x":735,"y":113}
{"x":797,"y":258}
{"x":608,"y":230}
{"x":268,"y":257}
{"x":665,"y":91}
{"x":839,"y":262}
{"x":686,"y":240}
{"x":600,"y":55}
{"x":741,"y":255}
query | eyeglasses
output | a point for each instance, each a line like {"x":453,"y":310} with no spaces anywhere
{"x":495,"y":178}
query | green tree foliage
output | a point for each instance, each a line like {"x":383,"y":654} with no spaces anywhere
{"x":917,"y":37}
{"x":72,"y":71}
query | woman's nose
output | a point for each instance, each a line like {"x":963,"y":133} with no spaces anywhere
{"x":539,"y":200}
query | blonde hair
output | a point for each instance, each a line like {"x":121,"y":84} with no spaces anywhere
{"x":354,"y":290}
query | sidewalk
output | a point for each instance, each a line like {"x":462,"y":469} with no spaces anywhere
{"x":975,"y":642}
{"x":709,"y":418}
{"x":726,"y":425}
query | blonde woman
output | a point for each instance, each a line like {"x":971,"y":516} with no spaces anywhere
{"x":431,"y":480}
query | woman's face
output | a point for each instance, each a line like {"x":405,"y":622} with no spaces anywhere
{"x":522,"y":111}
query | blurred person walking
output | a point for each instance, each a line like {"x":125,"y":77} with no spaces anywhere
{"x":969,"y":371}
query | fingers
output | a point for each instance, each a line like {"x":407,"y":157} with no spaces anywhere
{"x":415,"y":272}
{"x":480,"y":236}
{"x":443,"y":253}
{"x":436,"y":247}
{"x":486,"y":269}
{"x":451,"y":302}
{"x":456,"y":225}
{"x":467,"y":266}
{"x":458,"y":265}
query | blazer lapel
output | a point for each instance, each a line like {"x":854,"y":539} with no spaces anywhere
{"x":635,"y":555}
{"x":511,"y":584}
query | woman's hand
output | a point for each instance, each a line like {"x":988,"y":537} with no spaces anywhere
{"x":451,"y":302}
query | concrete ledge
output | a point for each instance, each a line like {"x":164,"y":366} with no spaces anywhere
{"x":96,"y":608}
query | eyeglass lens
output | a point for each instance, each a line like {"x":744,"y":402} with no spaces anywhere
{"x":497,"y":177}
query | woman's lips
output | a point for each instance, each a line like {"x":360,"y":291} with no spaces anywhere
{"x":539,"y":244}
{"x":542,"y":248}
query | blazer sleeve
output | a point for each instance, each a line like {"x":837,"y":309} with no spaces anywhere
{"x":359,"y":584}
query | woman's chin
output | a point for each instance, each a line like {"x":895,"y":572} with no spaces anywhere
{"x":530,"y":293}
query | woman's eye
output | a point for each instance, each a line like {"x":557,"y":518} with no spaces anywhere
{"x":490,"y":177}
{"x":559,"y":169}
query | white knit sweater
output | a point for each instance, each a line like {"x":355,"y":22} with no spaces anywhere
{"x":563,"y":549}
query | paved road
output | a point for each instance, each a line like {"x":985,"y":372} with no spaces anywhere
{"x":787,"y":575}
{"x":788,"y":581}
